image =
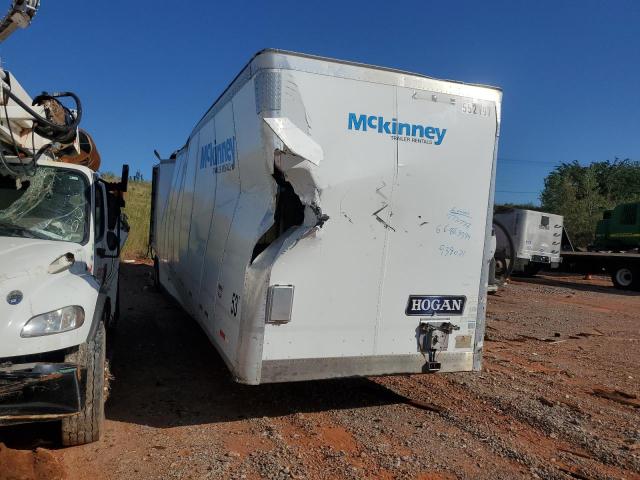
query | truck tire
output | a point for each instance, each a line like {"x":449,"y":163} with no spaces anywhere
{"x":624,"y":277}
{"x":86,"y":426}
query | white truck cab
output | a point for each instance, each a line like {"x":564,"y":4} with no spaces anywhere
{"x":61,"y":231}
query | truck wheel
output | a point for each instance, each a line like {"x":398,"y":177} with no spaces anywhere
{"x":86,"y":426}
{"x":624,"y":277}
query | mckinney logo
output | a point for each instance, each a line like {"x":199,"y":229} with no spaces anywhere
{"x":428,"y":305}
{"x":418,"y":133}
{"x":220,"y":156}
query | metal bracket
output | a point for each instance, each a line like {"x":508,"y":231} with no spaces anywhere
{"x":432,"y":338}
{"x":19,"y":16}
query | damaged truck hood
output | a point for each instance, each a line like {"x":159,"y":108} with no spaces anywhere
{"x":29,"y":257}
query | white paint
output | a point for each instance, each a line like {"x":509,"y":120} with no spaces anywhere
{"x":352,"y":276}
{"x":530,"y":237}
{"x":296,"y":141}
{"x":24,"y":264}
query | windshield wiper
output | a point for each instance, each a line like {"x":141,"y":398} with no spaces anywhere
{"x":22,"y":231}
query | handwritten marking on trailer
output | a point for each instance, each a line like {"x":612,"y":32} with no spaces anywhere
{"x":453,"y":231}
{"x":463,"y":220}
{"x":462,"y":217}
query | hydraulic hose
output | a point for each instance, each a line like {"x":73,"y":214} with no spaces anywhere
{"x":46,"y":128}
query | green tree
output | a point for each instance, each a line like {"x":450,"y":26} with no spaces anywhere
{"x":582,"y":193}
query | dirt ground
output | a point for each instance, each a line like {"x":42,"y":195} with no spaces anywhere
{"x":558,"y":398}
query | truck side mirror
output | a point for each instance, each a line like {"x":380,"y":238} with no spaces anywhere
{"x":124,"y":179}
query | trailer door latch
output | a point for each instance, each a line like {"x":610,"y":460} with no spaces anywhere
{"x":432,"y":338}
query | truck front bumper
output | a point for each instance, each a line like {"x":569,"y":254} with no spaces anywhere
{"x":39,"y":391}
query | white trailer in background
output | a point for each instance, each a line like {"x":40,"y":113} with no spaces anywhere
{"x":330,"y":219}
{"x":537,"y":238}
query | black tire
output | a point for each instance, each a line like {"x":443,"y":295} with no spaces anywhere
{"x":625,"y":278}
{"x":505,"y":267}
{"x":86,"y":426}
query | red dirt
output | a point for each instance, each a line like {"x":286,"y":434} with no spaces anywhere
{"x":533,"y":412}
{"x":38,"y":464}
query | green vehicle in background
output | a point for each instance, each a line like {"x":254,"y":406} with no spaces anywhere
{"x":619,"y":228}
{"x":615,"y":250}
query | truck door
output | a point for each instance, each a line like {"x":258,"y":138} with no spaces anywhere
{"x":438,"y":216}
{"x":102,"y":264}
{"x":338,"y":275}
{"x":107,"y":248}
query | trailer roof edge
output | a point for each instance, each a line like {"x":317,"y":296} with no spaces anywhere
{"x":247,"y":69}
{"x":367,"y":65}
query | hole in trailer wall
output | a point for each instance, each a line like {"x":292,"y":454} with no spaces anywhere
{"x":289,"y":213}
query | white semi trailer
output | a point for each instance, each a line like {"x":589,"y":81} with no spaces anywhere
{"x":330,"y":219}
{"x":537,"y":239}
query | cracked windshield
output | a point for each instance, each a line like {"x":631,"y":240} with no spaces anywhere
{"x":51,"y":204}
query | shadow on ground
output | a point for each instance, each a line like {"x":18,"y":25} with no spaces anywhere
{"x":167,"y":373}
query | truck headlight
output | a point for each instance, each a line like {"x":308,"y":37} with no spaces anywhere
{"x":58,"y":321}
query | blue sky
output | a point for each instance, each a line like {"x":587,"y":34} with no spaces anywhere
{"x":147,"y":70}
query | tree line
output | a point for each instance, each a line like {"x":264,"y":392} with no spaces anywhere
{"x":582,"y":193}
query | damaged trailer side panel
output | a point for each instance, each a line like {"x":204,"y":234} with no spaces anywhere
{"x":330,"y":219}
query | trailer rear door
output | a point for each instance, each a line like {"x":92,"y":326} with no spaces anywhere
{"x":438,"y":215}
